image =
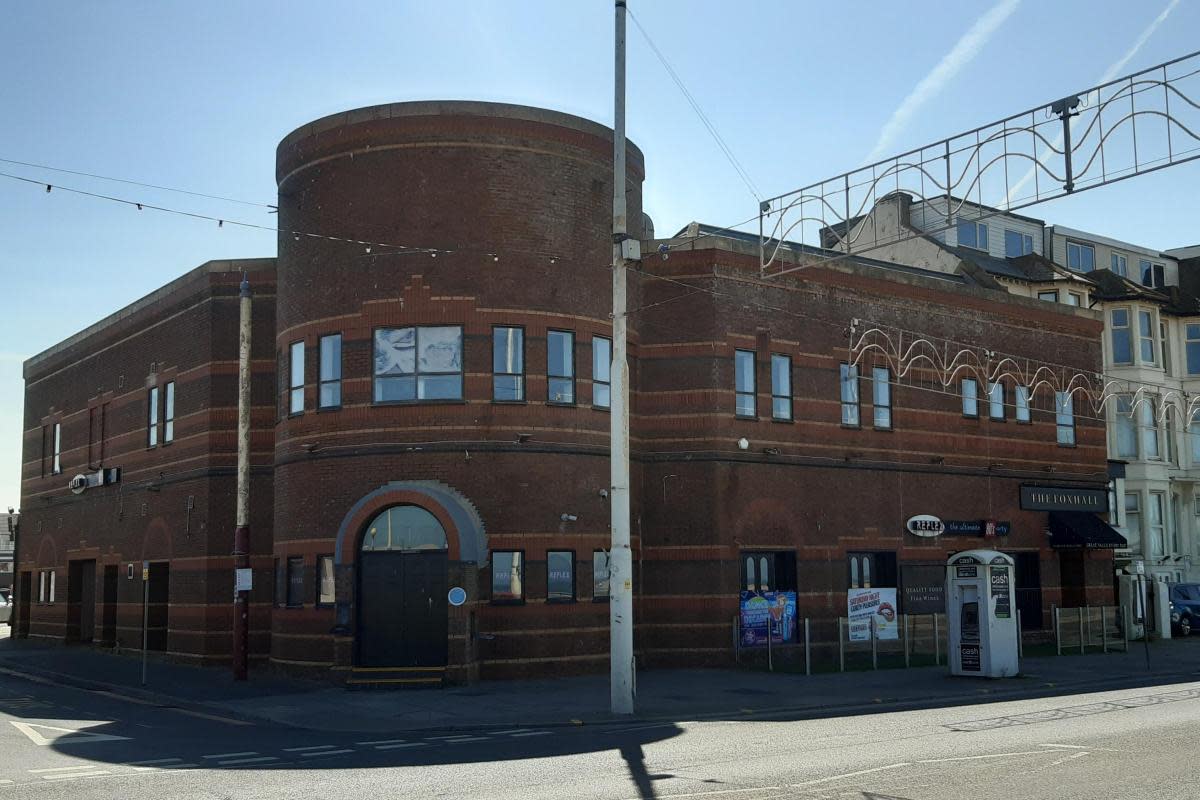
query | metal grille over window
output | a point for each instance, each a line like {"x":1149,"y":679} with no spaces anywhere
{"x":326,"y":594}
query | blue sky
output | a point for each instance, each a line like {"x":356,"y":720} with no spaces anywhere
{"x":197,"y":95}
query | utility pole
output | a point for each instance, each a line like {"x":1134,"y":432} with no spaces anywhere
{"x":620,"y":559}
{"x":241,"y":536}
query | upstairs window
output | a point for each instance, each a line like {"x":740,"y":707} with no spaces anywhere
{"x":56,"y":464}
{"x":881,"y":383}
{"x":1064,"y":418}
{"x":1192,"y":346}
{"x":848,"y":374}
{"x":1081,"y":257}
{"x":601,"y":372}
{"x":560,"y":367}
{"x":296,"y":379}
{"x":418,"y":364}
{"x":744,"y":381}
{"x":1120,"y":265}
{"x":331,"y":372}
{"x":973,"y":234}
{"x":1074,"y":299}
{"x":169,"y":412}
{"x":1122,"y":343}
{"x":1152,"y":274}
{"x":1017,"y":244}
{"x":970,"y":397}
{"x":508,"y":364}
{"x":1148,"y":422}
{"x":1023,"y":404}
{"x":1164,"y":345}
{"x":996,"y":400}
{"x":152,"y":418}
{"x":1126,"y":427}
{"x":1146,"y":337}
{"x":781,"y":388}
{"x":1048,"y":296}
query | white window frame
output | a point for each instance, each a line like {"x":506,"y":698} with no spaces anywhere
{"x":152,"y":417}
{"x":1189,"y":329}
{"x":1151,"y":446}
{"x":168,"y":412}
{"x":1026,"y":243}
{"x":1127,"y":328}
{"x":56,"y":465}
{"x":1123,"y":420}
{"x":1157,"y":532}
{"x":1119,"y":264}
{"x":979,"y":226}
{"x":1049,"y":295}
{"x":1151,"y":338}
{"x":1079,"y":247}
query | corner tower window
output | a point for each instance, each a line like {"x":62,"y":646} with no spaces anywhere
{"x":404,"y":528}
{"x":416,"y":364}
{"x":508,"y":364}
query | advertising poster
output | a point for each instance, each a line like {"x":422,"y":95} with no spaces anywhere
{"x":864,"y":604}
{"x":774,"y":609}
{"x":1000,"y":592}
{"x":924,"y":588}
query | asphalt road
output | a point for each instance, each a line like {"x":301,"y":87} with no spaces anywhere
{"x":58,"y":741}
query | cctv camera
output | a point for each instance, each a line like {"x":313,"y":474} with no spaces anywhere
{"x":604,"y":493}
{"x":743,"y":443}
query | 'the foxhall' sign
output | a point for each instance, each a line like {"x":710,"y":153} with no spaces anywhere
{"x":1062,"y":498}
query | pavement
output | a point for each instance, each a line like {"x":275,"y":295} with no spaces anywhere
{"x":662,"y":695}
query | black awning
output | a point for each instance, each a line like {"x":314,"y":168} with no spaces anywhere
{"x":1079,"y":530}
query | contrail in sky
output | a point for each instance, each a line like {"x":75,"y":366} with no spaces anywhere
{"x":1113,"y":71}
{"x":959,"y":56}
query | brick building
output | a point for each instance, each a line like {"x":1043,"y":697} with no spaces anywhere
{"x":430,"y":416}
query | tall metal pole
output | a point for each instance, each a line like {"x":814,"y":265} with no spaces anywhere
{"x":241,"y":536}
{"x":620,"y":606}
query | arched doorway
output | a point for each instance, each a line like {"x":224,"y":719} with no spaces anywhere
{"x":402,"y":583}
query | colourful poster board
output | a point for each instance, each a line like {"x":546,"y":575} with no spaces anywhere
{"x":763,"y":610}
{"x":864,"y":604}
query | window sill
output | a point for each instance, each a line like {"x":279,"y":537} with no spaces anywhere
{"x":782,"y":420}
{"x":520,"y":602}
{"x":604,"y":409}
{"x":323,"y":409}
{"x":294,"y":414}
{"x":849,"y":427}
{"x":563,"y":602}
{"x":559,"y":404}
{"x":509,"y":402}
{"x":970,"y":416}
{"x":747,"y":417}
{"x":888,"y":429}
{"x":445,"y":402}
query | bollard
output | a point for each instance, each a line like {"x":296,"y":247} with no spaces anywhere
{"x":1104,"y":628}
{"x":937,"y":642}
{"x":1020,"y":636}
{"x":841,"y":646}
{"x":737,"y":642}
{"x":1082,"y":649}
{"x":874,"y":648}
{"x":770,"y":636}
{"x":907,"y":631}
{"x":807,"y":650}
{"x":1088,"y":612}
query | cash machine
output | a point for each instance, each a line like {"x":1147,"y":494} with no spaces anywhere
{"x":981,"y":614}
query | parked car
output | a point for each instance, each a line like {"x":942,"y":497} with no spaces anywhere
{"x":1185,"y":607}
{"x":5,"y":607}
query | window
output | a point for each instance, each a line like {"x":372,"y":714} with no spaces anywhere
{"x":152,"y":417}
{"x":1192,"y":348}
{"x":1017,"y":244}
{"x":404,"y":528}
{"x":744,"y":394}
{"x":169,"y":412}
{"x":781,"y":388}
{"x":996,"y":400}
{"x":881,"y":384}
{"x":280,"y":583}
{"x":1064,"y":418}
{"x":1049,"y":296}
{"x":1133,"y":514}
{"x":296,"y":382}
{"x":1120,"y":265}
{"x":418,"y":364}
{"x":560,"y":576}
{"x":1122,"y":343}
{"x":1023,"y":404}
{"x":329,"y":393}
{"x":1152,"y":274}
{"x":1164,"y":346}
{"x":42,"y":586}
{"x":1169,"y":435}
{"x":326,"y":588}
{"x":849,"y":382}
{"x":970,"y":397}
{"x":599,"y":575}
{"x":872,"y":569}
{"x":601,"y":372}
{"x":508,"y":364}
{"x":1156,"y":525}
{"x":1193,"y":431}
{"x":1148,"y":417}
{"x":1146,"y":336}
{"x":1126,"y":427}
{"x":508,"y":576}
{"x":56,"y":464}
{"x":972,"y":234}
{"x":560,"y":367}
{"x":1074,"y":299}
{"x":1081,"y":257}
{"x":295,"y":581}
{"x":760,"y":573}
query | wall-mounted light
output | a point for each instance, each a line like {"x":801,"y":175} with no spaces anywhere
{"x":743,"y":443}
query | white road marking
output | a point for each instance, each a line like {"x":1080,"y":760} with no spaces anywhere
{"x":1068,"y":746}
{"x":532,"y":733}
{"x":306,"y":749}
{"x":466,"y":739}
{"x":70,"y":776}
{"x":979,"y":758}
{"x":5,"y":782}
{"x":232,"y":755}
{"x":399,"y":746}
{"x":1065,"y":759}
{"x":384,"y":741}
{"x":150,"y":763}
{"x":448,"y":736}
{"x":66,"y":735}
{"x":235,"y":761}
{"x":214,"y":717}
{"x":172,"y":766}
{"x":62,"y":769}
{"x":850,"y":775}
{"x":514,"y":730}
{"x":326,"y":753}
{"x":721,"y":791}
